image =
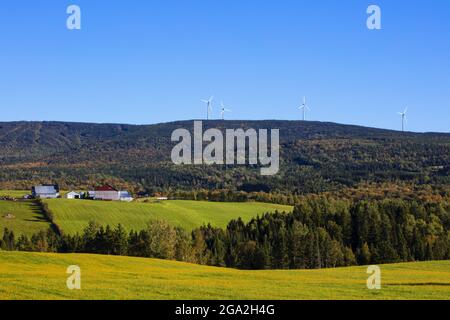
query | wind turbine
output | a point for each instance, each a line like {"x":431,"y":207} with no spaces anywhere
{"x":404,"y":120}
{"x":224,"y":109}
{"x":304,"y":107}
{"x":208,"y":106}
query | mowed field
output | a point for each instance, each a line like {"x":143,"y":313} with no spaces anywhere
{"x":14,"y":193}
{"x":27,"y":218}
{"x":74,"y":215}
{"x":43,"y":276}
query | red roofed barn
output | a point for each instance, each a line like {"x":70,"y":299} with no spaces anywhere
{"x":106,"y":193}
{"x":109,"y":193}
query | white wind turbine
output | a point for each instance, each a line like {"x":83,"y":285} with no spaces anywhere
{"x":208,"y":106}
{"x":304,"y":107}
{"x":224,"y":109}
{"x":404,"y":120}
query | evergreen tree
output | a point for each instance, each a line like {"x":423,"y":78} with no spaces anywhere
{"x":363,"y":254}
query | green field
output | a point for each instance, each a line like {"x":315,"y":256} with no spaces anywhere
{"x":43,"y":276}
{"x":27,"y":217}
{"x":14,"y":193}
{"x":73,"y":215}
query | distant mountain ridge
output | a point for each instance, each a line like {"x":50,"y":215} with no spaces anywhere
{"x":315,"y":156}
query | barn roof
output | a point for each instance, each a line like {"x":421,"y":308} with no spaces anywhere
{"x":45,"y":189}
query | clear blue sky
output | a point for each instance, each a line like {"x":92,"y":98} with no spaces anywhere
{"x":152,"y":61}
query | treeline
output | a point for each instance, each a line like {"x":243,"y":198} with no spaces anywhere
{"x":227,"y":195}
{"x":320,"y":233}
{"x":160,"y":240}
{"x":367,"y":191}
{"x":323,"y":233}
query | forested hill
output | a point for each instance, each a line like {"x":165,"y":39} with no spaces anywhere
{"x":315,"y":157}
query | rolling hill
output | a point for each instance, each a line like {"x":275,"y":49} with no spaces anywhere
{"x":315,"y":157}
{"x":74,"y":215}
{"x":43,"y":276}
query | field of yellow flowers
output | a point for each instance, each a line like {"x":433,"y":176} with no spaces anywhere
{"x":43,"y":276}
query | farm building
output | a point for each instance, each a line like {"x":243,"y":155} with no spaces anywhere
{"x":73,"y":195}
{"x":105,"y":193}
{"x":45,"y":191}
{"x":109,"y":193}
{"x":125,"y":196}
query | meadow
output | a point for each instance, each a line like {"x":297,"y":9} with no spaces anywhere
{"x":74,"y":215}
{"x":14,"y":193}
{"x":43,"y":276}
{"x":27,"y":218}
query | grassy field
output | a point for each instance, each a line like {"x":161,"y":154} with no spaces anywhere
{"x":74,"y":215}
{"x":27,"y":218}
{"x":21,"y":193}
{"x":14,"y":193}
{"x":43,"y":276}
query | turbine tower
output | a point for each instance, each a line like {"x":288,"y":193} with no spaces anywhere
{"x":304,"y":107}
{"x":224,"y":109}
{"x":208,"y":106}
{"x":404,"y":120}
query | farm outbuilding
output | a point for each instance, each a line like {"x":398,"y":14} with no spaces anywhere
{"x":125,"y":196}
{"x":73,"y":195}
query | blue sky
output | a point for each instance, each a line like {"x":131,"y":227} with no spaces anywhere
{"x":152,"y":61}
